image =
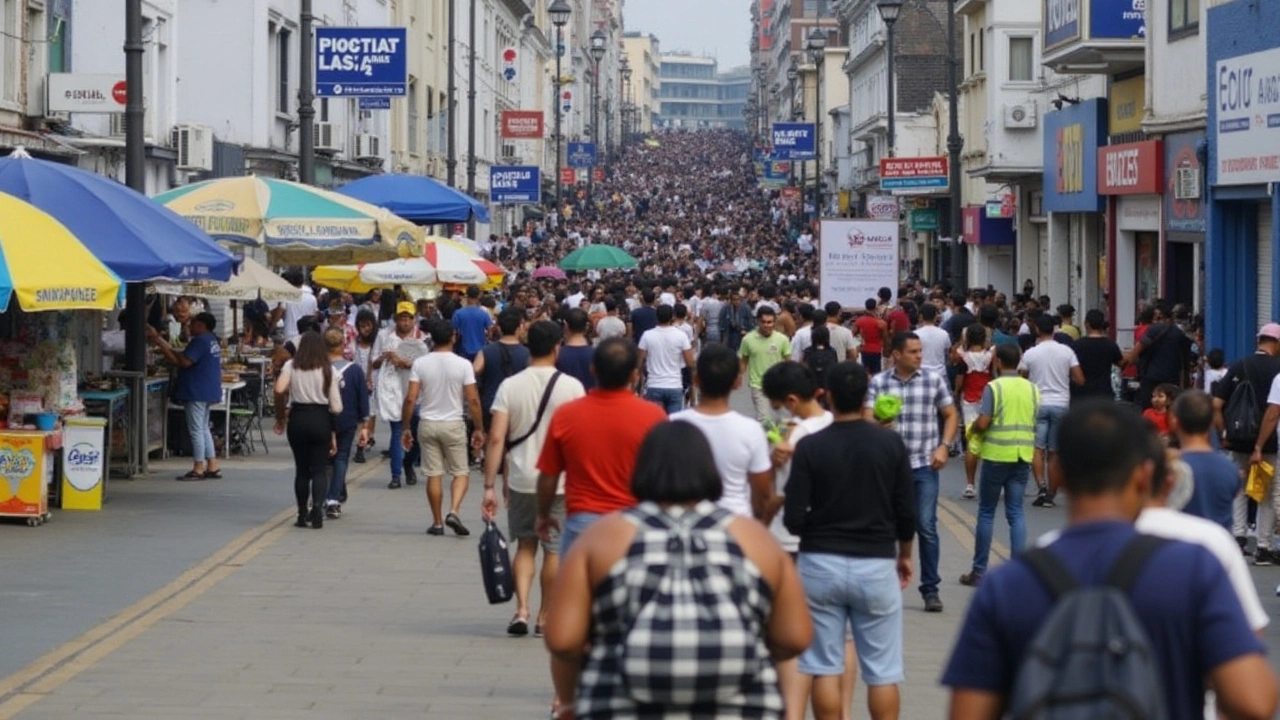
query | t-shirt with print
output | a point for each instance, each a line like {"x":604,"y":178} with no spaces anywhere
{"x":1217,"y":482}
{"x":1182,"y":597}
{"x":202,"y":382}
{"x":441,"y":377}
{"x":1048,"y":365}
{"x":519,"y":397}
{"x":664,"y":352}
{"x":799,"y":430}
{"x":763,"y":353}
{"x":740,"y":448}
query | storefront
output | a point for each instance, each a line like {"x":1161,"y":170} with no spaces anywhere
{"x":1131,"y":175}
{"x":1183,"y":219}
{"x":991,"y":238}
{"x":1243,"y":224}
{"x":1076,"y":240}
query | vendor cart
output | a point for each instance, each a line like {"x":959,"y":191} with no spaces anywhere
{"x":26,"y":469}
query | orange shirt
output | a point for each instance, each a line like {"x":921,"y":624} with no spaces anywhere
{"x":594,"y":440}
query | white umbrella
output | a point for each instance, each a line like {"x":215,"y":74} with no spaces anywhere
{"x":253,"y":281}
{"x":417,"y":271}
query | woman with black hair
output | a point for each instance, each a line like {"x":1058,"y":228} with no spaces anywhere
{"x":697,"y":582}
{"x":307,"y":387}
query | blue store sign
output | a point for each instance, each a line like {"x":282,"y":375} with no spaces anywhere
{"x":794,"y":141}
{"x":1061,"y":22}
{"x":580,"y":155}
{"x":1071,"y":138}
{"x":354,"y":61}
{"x":1117,"y":19}
{"x":375,"y":103}
{"x":515,"y":184}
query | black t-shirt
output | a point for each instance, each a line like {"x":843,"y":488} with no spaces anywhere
{"x":1164,"y":355}
{"x":575,"y":361}
{"x":643,"y":318}
{"x":960,"y":320}
{"x":1261,"y":369}
{"x":1097,"y":355}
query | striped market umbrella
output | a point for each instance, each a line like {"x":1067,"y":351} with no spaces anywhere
{"x":47,"y":267}
{"x":296,"y":224}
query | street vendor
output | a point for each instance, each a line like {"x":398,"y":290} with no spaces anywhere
{"x":199,"y":386}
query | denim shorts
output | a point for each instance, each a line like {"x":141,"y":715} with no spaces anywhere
{"x":861,"y":594}
{"x":1048,"y":420}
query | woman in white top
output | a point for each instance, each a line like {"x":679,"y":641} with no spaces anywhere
{"x":314,"y":401}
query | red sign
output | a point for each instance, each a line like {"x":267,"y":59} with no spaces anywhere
{"x":522,"y":124}
{"x":971,"y":220}
{"x":1131,"y":168}
{"x":120,"y":92}
{"x":568,"y":176}
{"x":913,"y":167}
{"x":598,"y":174}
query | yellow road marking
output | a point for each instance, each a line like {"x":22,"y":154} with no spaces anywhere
{"x":962,"y":524}
{"x":56,"y":667}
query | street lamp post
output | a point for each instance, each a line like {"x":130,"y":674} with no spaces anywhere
{"x":451,"y":112}
{"x":598,"y":40}
{"x":792,"y":74}
{"x":559,"y":12}
{"x":889,"y":10}
{"x":471,"y":115}
{"x":955,"y":143}
{"x":628,"y":107}
{"x":817,"y":45}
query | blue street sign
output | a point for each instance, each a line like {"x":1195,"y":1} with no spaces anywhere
{"x":375,"y":103}
{"x":580,"y":155}
{"x":1117,"y":19}
{"x":917,"y":183}
{"x":515,"y":184}
{"x":361,"y":61}
{"x":794,"y":141}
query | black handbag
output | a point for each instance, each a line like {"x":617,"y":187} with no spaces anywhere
{"x":495,"y":566}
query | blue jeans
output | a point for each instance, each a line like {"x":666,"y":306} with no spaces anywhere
{"x":399,"y":458}
{"x":671,"y":400}
{"x":338,"y":481}
{"x":996,"y":478}
{"x":197,"y":414}
{"x":927,"y":527}
{"x":858,"y":594}
{"x":573,"y":526}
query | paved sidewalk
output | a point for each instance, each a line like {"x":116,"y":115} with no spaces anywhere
{"x":366,"y":618}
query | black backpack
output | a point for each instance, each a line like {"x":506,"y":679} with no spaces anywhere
{"x":820,"y":361}
{"x":1241,"y":415}
{"x":1091,"y":657}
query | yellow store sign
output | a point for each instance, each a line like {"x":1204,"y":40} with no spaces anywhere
{"x":1126,"y":105}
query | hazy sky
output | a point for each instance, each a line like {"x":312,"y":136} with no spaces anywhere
{"x":721,"y":28}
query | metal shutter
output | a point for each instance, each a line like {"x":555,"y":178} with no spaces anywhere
{"x":1265,"y":260}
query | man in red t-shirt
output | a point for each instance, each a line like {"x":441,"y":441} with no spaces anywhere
{"x":594,"y":441}
{"x":872,"y":329}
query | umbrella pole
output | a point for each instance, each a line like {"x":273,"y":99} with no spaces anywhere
{"x":235,"y":322}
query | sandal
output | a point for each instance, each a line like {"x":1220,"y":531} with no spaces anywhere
{"x":213,"y":475}
{"x":518,"y":627}
{"x":191,"y":475}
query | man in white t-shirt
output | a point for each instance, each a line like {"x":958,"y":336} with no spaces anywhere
{"x":804,"y":334}
{"x":738,"y":442}
{"x":518,"y":431}
{"x":935,"y":341}
{"x":443,"y":386}
{"x":664,"y":350}
{"x":1053,"y":368}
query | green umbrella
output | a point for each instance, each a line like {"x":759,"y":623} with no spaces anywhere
{"x":597,"y":257}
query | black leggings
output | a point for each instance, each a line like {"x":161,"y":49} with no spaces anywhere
{"x":310,"y":429}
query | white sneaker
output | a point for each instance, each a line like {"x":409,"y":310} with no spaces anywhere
{"x":969,"y":492}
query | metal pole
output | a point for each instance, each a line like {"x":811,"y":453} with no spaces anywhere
{"x":955,"y":143}
{"x":559,"y":119}
{"x":893,"y":111}
{"x":817,"y":141}
{"x":471,"y":117}
{"x":595,"y":125}
{"x":451,"y":114}
{"x":306,"y":99}
{"x":135,"y":177}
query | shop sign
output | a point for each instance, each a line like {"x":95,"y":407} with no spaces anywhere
{"x":977,"y":228}
{"x":913,"y":173}
{"x":1061,"y":22}
{"x":776,"y":173}
{"x":882,"y":207}
{"x":522,"y":124}
{"x":794,"y":141}
{"x":1183,"y":211}
{"x":355,"y":61}
{"x":1117,"y":19}
{"x":375,"y":103}
{"x":515,"y":184}
{"x":598,"y":174}
{"x":1002,"y":208}
{"x":1071,"y":138}
{"x":580,"y":155}
{"x":1246,"y":90}
{"x":86,"y":93}
{"x":923,"y":220}
{"x":568,"y":176}
{"x":1138,"y":213}
{"x":1127,"y":103}
{"x":1131,"y":168}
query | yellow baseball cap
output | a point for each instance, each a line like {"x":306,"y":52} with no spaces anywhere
{"x":406,"y":308}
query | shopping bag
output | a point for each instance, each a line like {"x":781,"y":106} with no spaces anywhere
{"x":495,"y":565}
{"x":1259,"y":481}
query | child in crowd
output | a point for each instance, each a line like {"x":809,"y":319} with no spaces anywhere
{"x":975,"y":373}
{"x":1215,"y":368}
{"x":1158,"y":414}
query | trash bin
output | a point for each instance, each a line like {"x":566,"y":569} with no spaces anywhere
{"x":84,"y":466}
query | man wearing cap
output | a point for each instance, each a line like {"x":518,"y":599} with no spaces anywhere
{"x":1259,"y":370}
{"x":392,"y":382}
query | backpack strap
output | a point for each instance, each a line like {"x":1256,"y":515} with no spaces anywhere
{"x":1124,"y":572}
{"x":1051,"y":571}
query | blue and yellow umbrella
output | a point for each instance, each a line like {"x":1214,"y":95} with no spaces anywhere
{"x":47,"y":267}
{"x":297,"y":224}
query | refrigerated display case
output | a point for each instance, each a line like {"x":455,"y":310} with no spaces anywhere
{"x":26,"y":469}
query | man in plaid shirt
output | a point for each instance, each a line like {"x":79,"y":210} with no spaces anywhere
{"x":925,"y":399}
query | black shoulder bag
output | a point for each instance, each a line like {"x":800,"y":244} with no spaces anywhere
{"x":542,"y":409}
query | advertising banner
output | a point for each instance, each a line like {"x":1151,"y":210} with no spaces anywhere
{"x":1071,"y":139}
{"x":355,"y":61}
{"x":882,"y":207}
{"x":1061,"y":22}
{"x":794,"y":141}
{"x":1247,"y":92}
{"x":86,"y":93}
{"x":1131,"y":168}
{"x":580,"y":155}
{"x":1183,"y":211}
{"x":776,"y":173}
{"x":913,"y":173}
{"x":375,"y":103}
{"x":522,"y":124}
{"x":568,"y":176}
{"x":858,"y":258}
{"x":1117,"y":19}
{"x":515,"y":184}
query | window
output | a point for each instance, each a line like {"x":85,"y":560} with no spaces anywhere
{"x":412,"y":101}
{"x":1184,"y":18}
{"x":323,"y":115}
{"x":282,"y":72}
{"x":10,"y":44}
{"x":982,"y":52}
{"x":973,"y":64}
{"x":1021,"y":59}
{"x":59,"y":55}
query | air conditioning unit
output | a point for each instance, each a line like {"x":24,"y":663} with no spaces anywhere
{"x":324,"y":138}
{"x":117,"y":125}
{"x":1187,"y":184}
{"x":194,"y":144}
{"x":1020,"y":116}
{"x":368,"y":147}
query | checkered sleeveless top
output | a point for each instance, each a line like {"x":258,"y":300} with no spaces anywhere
{"x":678,"y":625}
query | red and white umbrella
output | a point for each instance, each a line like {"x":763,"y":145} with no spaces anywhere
{"x":455,"y":264}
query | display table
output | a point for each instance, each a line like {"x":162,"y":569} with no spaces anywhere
{"x":157,"y":429}
{"x":113,"y":406}
{"x":223,"y":407}
{"x":26,"y":470}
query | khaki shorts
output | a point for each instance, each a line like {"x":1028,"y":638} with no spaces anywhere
{"x":444,"y":448}
{"x":522,"y":516}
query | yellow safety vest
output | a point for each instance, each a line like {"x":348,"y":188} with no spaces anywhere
{"x":1012,"y":434}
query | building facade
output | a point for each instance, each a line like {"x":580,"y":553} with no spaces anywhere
{"x":644,"y":52}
